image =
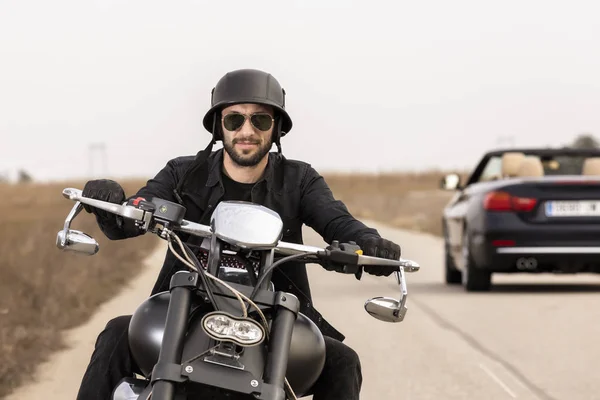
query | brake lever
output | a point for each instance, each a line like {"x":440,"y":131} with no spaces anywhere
{"x":140,"y":215}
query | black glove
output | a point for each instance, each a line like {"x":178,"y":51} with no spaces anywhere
{"x":379,"y":247}
{"x":105,"y":190}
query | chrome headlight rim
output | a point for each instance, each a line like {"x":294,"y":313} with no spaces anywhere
{"x":228,"y":338}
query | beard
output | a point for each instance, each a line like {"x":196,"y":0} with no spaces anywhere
{"x":248,"y":157}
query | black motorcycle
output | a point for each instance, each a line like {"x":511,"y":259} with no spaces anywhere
{"x":222,"y":331}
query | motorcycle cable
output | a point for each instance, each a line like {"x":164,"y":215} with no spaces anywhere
{"x":194,"y":260}
{"x":190,"y":254}
{"x":191,"y":265}
{"x":270,"y":268}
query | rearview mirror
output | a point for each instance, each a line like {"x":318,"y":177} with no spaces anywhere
{"x":72,"y":240}
{"x":77,"y":241}
{"x":385,"y":309}
{"x":450,"y":182}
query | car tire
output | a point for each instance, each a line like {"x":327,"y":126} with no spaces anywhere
{"x":474,"y":279}
{"x":452,"y":274}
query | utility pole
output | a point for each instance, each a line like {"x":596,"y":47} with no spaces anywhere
{"x":100,"y":150}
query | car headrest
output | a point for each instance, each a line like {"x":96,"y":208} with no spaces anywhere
{"x":591,"y":166}
{"x":510,"y":163}
{"x":530,"y":166}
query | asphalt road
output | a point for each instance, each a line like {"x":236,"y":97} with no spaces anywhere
{"x":531,"y":337}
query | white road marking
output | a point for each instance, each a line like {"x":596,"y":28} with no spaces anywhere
{"x":516,"y":379}
{"x":498,"y":381}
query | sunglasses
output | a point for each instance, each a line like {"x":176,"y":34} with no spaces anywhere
{"x":261,"y":121}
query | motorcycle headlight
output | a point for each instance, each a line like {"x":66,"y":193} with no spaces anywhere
{"x":223,"y":326}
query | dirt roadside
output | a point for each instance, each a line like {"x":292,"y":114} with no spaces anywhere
{"x":60,"y":376}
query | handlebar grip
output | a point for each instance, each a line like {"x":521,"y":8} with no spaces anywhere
{"x":343,"y":257}
{"x":339,"y":261}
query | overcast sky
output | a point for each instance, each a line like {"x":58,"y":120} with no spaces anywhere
{"x":372,"y":85}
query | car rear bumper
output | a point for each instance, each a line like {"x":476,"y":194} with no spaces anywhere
{"x":507,"y":242}
{"x":566,"y":250}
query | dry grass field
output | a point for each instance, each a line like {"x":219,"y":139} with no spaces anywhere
{"x":409,"y":201}
{"x":44,"y":291}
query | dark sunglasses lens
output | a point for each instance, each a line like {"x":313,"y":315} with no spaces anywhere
{"x":233,"y":122}
{"x":261,"y":121}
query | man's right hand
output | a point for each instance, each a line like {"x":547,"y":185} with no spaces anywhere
{"x":104,"y":190}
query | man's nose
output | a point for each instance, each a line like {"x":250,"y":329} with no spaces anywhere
{"x":247,"y":128}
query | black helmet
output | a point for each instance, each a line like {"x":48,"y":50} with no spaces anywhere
{"x":240,"y":86}
{"x":248,"y":86}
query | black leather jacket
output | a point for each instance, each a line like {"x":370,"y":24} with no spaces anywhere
{"x":291,"y":188}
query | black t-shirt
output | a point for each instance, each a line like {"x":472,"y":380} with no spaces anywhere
{"x":236,"y":190}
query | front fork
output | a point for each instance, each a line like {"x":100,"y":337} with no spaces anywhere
{"x":287,"y":308}
{"x":169,"y":371}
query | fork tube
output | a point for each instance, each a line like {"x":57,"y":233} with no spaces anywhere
{"x":172,"y":343}
{"x":281,"y":338}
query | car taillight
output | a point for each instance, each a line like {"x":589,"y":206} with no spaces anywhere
{"x":523,"y":203}
{"x":502,"y":201}
{"x":503,"y":243}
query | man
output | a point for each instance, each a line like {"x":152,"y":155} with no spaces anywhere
{"x":248,"y":115}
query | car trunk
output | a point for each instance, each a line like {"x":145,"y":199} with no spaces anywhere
{"x":551,"y":200}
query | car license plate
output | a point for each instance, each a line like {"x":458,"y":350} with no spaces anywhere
{"x":583,"y":208}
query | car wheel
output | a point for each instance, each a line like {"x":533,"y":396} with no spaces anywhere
{"x":453,"y":276}
{"x":474,"y":279}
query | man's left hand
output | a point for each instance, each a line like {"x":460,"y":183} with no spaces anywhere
{"x":379,"y":247}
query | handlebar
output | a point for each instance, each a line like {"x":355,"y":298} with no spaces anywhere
{"x":144,"y":216}
{"x":148,"y":214}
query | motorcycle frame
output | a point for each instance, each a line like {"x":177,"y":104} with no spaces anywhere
{"x":169,"y":370}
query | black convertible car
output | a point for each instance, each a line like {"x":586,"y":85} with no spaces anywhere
{"x":523,"y":210}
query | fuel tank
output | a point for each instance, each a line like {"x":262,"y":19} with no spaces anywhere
{"x":307,"y":349}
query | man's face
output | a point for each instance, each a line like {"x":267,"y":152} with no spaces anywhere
{"x":247,"y":145}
